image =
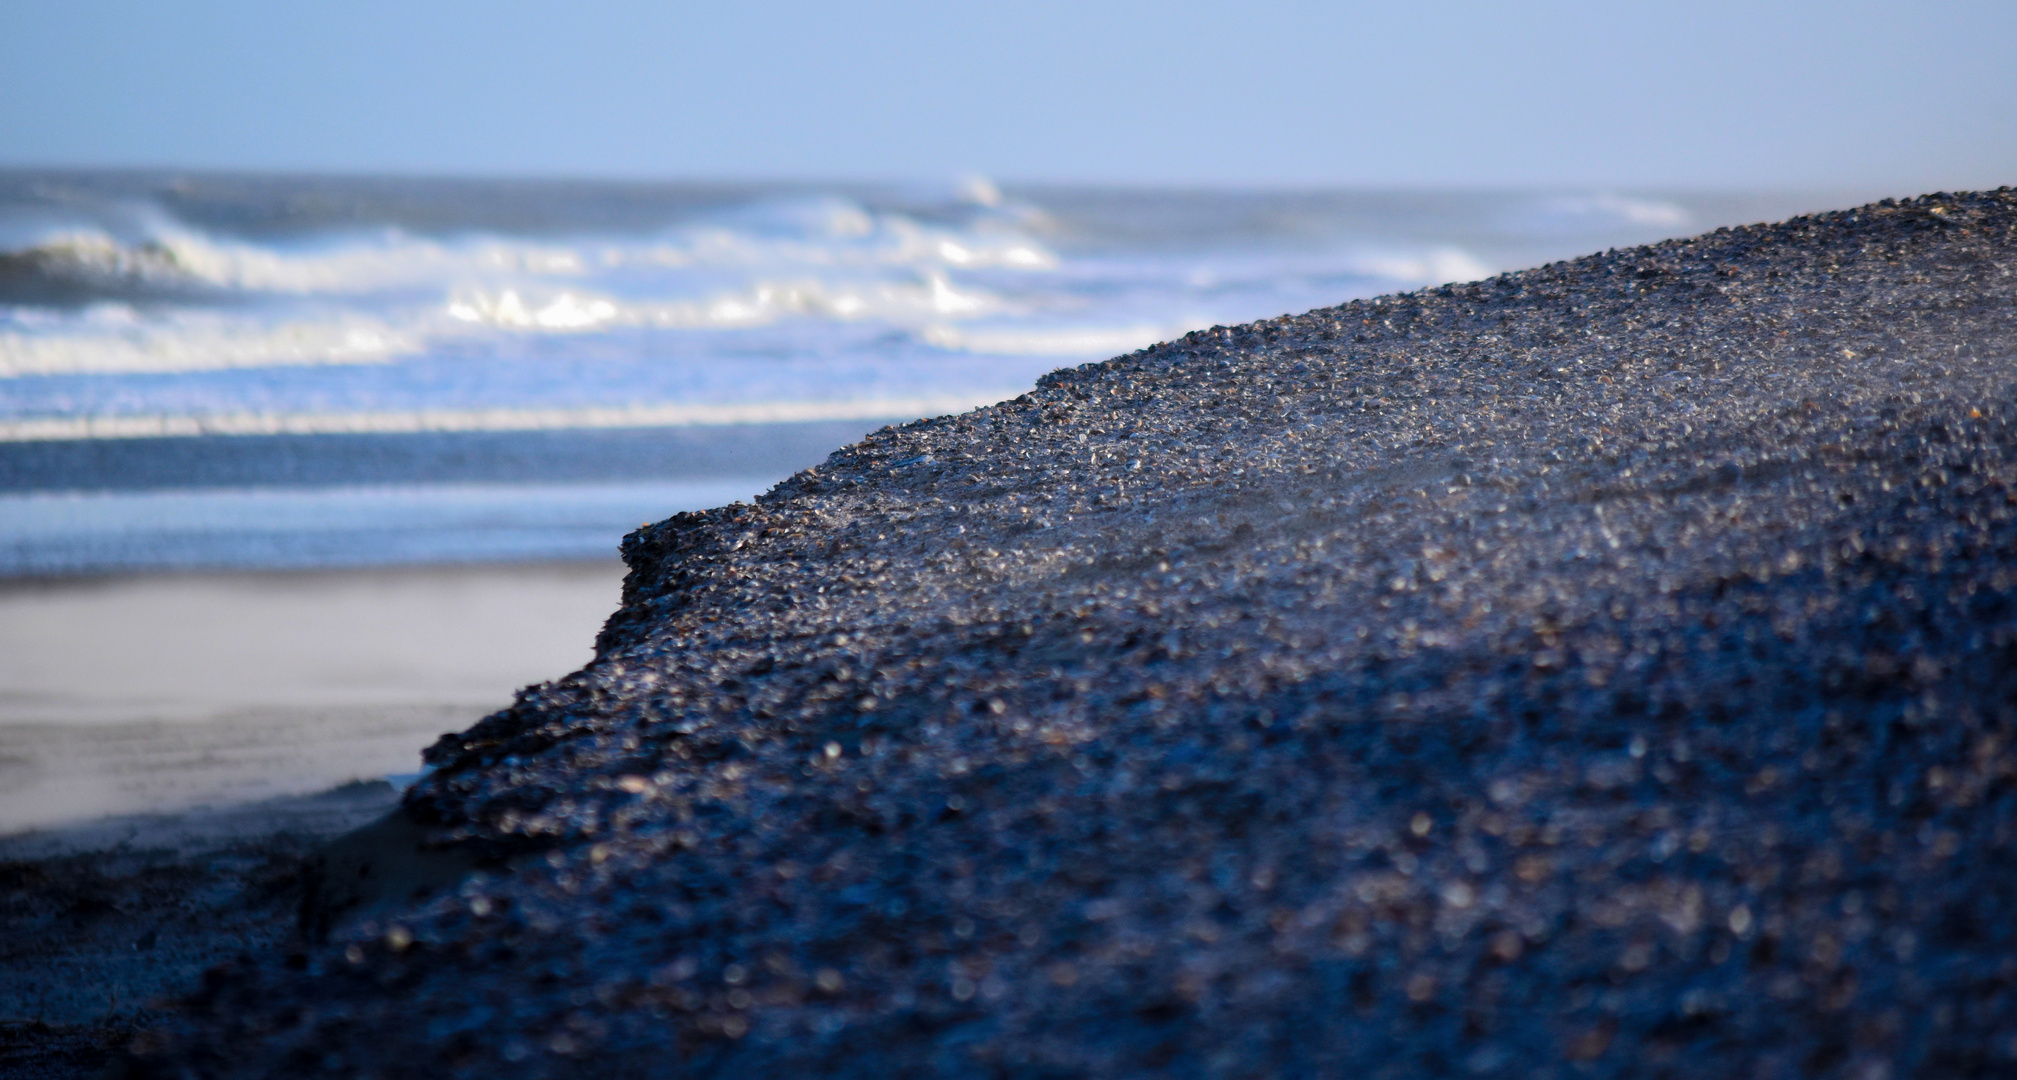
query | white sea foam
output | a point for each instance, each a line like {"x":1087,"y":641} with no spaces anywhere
{"x":825,"y":233}
{"x":324,"y":306}
{"x":1440,"y":265}
{"x":759,"y":304}
{"x":1605,"y":210}
{"x":682,"y":414}
{"x":1061,"y":341}
{"x":113,"y":338}
{"x":179,"y":300}
{"x":985,"y":285}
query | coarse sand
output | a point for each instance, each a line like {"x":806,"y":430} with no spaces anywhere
{"x":1607,"y":669}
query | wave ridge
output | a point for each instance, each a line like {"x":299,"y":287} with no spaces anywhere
{"x":672,"y":414}
{"x":72,"y":266}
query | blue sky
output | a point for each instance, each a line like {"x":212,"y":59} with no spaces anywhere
{"x":1267,"y":92}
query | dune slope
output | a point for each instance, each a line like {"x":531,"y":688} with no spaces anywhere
{"x":1607,"y":668}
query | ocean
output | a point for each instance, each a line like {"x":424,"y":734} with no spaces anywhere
{"x":208,"y":371}
{"x":299,"y":472}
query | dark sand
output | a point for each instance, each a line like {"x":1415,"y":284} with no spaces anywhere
{"x":1608,"y":669}
{"x":173,"y":747}
{"x":107,"y":922}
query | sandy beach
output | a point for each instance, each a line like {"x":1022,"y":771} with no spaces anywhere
{"x":165,"y":693}
{"x":173,"y":747}
{"x":1599,"y":670}
{"x":1602,"y":669}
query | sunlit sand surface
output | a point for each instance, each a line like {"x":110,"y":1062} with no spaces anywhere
{"x":159,"y":694}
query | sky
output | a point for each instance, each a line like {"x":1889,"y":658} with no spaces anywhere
{"x":1709,"y":94}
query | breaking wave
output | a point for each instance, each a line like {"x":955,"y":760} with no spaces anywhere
{"x":331,"y":305}
{"x":160,"y":296}
{"x":79,"y":265}
{"x":68,"y":271}
{"x":154,"y":328}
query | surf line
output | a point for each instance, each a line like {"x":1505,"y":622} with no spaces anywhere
{"x":158,"y":426}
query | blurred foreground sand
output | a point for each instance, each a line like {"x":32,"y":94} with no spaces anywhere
{"x":159,"y":694}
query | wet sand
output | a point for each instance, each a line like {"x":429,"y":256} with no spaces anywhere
{"x":159,"y":693}
{"x":174,"y":750}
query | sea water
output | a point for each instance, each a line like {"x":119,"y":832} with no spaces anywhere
{"x":238,"y":371}
{"x":469,"y":390}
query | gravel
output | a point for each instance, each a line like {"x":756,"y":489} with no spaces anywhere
{"x":1605,"y":669}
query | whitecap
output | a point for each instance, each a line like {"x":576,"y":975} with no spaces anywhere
{"x":1091,"y":342}
{"x":112,"y":339}
{"x":397,"y":422}
{"x":1433,"y":266}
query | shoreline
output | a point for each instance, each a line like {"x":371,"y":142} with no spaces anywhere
{"x":162,"y":821}
{"x":162,"y":692}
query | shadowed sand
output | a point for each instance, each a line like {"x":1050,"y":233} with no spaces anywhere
{"x":176,"y":749}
